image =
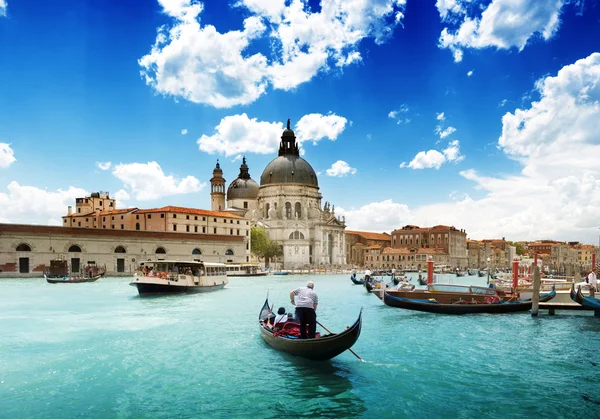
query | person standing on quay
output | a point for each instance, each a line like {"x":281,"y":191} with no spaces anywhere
{"x":593,"y":282}
{"x":306,"y":306}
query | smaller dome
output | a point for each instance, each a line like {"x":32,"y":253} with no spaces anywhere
{"x":243,"y":187}
{"x":288,"y":133}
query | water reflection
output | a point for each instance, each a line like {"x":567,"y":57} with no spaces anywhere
{"x":318,"y":389}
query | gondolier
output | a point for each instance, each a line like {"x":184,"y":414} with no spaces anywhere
{"x":306,"y":302}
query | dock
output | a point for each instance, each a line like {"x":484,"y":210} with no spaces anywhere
{"x":552,"y":307}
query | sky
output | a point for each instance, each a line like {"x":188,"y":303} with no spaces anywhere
{"x":478,"y":114}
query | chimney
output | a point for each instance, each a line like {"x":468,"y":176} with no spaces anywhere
{"x":69,"y":210}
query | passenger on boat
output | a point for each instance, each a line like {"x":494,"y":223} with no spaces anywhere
{"x":306,"y":306}
{"x":281,"y":316}
{"x":367,"y":275}
{"x":593,"y":282}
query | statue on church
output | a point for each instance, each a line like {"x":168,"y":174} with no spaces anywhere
{"x":272,"y":213}
{"x":288,"y":124}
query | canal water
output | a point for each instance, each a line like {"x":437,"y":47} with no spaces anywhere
{"x":97,"y":350}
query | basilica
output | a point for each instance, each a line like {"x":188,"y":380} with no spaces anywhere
{"x":287,"y":203}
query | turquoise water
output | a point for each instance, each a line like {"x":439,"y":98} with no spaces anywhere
{"x":96,"y":350}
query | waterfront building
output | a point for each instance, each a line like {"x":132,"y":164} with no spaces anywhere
{"x":288,"y":204}
{"x":26,"y":250}
{"x":379,"y":257}
{"x":448,"y":240}
{"x":499,"y":251}
{"x":358,"y":241}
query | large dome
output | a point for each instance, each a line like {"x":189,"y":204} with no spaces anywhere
{"x":243,"y":187}
{"x":289,"y":169}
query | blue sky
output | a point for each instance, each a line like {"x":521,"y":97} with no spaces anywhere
{"x":484,"y":115}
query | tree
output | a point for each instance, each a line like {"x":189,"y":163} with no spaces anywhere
{"x":519,"y":248}
{"x":262,"y":246}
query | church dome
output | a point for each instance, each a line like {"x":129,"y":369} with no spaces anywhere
{"x":243,"y":187}
{"x":289,"y":169}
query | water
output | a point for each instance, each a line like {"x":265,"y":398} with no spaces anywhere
{"x":96,"y":350}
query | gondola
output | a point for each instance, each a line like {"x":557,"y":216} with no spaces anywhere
{"x":357,"y":281}
{"x":73,"y":280}
{"x":433,"y":306}
{"x":587,"y":302}
{"x":318,"y":349}
{"x":481,"y":274}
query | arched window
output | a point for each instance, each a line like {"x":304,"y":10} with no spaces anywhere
{"x":120,"y":249}
{"x":296,"y":235}
{"x":298,"y":210}
{"x":196,"y":252}
{"x":229,"y":252}
{"x":160,"y":251}
{"x":137,"y":226}
{"x":23,"y":248}
{"x":288,"y":210}
{"x":74,"y":248}
{"x":267,"y":208}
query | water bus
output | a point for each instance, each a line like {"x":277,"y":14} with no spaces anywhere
{"x":245,"y":269}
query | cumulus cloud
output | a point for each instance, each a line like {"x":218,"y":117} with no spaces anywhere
{"x":557,"y":192}
{"x":32,"y":205}
{"x":503,"y":24}
{"x":381,"y":216}
{"x":440,"y":116}
{"x":469,"y":73}
{"x":184,"y":132}
{"x":122,"y":195}
{"x":238,"y":134}
{"x":399,"y":114}
{"x":2,"y":7}
{"x":198,"y":63}
{"x":443,"y":133}
{"x":7,"y":155}
{"x":434,"y":159}
{"x":103,"y":165}
{"x":340,"y":168}
{"x":147,"y":181}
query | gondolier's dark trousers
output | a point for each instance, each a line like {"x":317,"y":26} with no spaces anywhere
{"x":307,"y":318}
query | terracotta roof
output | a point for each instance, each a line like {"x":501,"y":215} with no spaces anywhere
{"x":105,"y":212}
{"x":371,"y":236}
{"x":375,"y":246}
{"x":358,"y":244}
{"x":194,"y":211}
{"x":406,"y":251}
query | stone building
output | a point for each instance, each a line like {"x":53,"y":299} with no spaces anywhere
{"x":288,"y":204}
{"x":378,"y":257}
{"x":448,"y":240}
{"x":26,"y":250}
{"x":358,"y":241}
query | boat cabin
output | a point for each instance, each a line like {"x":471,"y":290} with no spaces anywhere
{"x":174,"y":268}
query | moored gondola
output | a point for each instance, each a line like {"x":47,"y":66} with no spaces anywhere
{"x":357,"y":281}
{"x":587,"y":302}
{"x":463,"y":307}
{"x":319,"y":349}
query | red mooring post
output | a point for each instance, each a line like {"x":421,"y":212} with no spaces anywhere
{"x":429,"y":270}
{"x":515,"y":269}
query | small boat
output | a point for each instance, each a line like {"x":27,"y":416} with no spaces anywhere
{"x":586,"y":301}
{"x":179,"y":277}
{"x":318,"y":349}
{"x":59,"y":273}
{"x":73,"y":279}
{"x":245,"y":270}
{"x":357,"y":281}
{"x":281,"y":273}
{"x":481,"y":274}
{"x":491,"y":305}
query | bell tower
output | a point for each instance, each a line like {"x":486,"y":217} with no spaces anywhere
{"x":217,"y":189}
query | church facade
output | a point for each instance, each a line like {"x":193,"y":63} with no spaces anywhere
{"x":288,"y":204}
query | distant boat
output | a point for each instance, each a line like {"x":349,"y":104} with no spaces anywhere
{"x":245,"y":269}
{"x":281,"y":273}
{"x":357,"y":281}
{"x":59,"y":273}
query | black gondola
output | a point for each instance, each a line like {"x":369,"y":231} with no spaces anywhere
{"x":422,"y":280}
{"x":587,"y":302}
{"x":432,"y":306}
{"x":318,"y":349}
{"x":357,"y":281}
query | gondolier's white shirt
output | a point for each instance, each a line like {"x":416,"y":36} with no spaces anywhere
{"x":593,"y":280}
{"x":306,"y":297}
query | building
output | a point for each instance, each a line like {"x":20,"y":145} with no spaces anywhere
{"x":288,"y":204}
{"x":358,"y":241}
{"x":26,"y":250}
{"x":497,"y":253}
{"x":444,"y":240}
{"x":378,"y":257}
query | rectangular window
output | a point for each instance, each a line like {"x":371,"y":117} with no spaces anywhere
{"x":103,"y":218}
{"x":195,"y":229}
{"x":137,"y":216}
{"x":204,"y":229}
{"x":230,"y":221}
{"x":215,"y":230}
{"x":231,"y":231}
{"x":149,"y":215}
{"x":245,"y":204}
{"x":174,"y":227}
{"x":187,"y":217}
{"x":246,"y":232}
{"x":79,"y":223}
{"x":65,"y":220}
{"x":203,"y":218}
{"x":86,"y":220}
{"x":113,"y":217}
{"x":196,"y":217}
{"x":187,"y":228}
{"x":113,"y":227}
{"x":174,"y":215}
{"x":238,"y":221}
{"x":215,"y":220}
{"x":225,"y":221}
{"x":238,"y":232}
{"x":78,"y":209}
{"x":121,"y":217}
{"x":162,"y":215}
{"x":122,"y":227}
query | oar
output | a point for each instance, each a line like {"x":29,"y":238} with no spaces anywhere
{"x":350,"y":349}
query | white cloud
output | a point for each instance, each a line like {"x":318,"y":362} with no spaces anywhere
{"x":122,"y":195}
{"x":237,"y":134}
{"x":557,"y":192}
{"x":147,"y":181}
{"x":103,"y":165}
{"x":7,"y":155}
{"x":381,"y":216}
{"x":503,"y":24}
{"x":443,"y":133}
{"x":340,"y":168}
{"x":314,"y":127}
{"x":440,"y":116}
{"x":202,"y":65}
{"x":3,"y":7}
{"x":397,"y":114}
{"x":184,"y":131}
{"x":502,"y":103}
{"x":434,"y":159}
{"x":31,"y":205}
{"x":469,"y":73}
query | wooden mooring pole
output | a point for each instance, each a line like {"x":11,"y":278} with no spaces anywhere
{"x":536,"y":291}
